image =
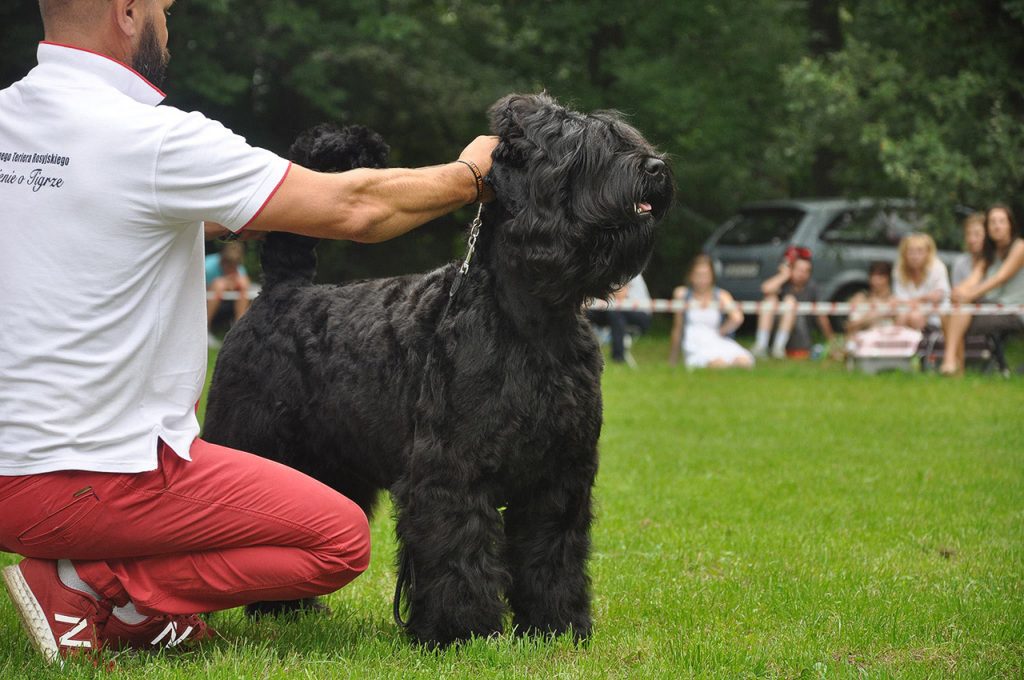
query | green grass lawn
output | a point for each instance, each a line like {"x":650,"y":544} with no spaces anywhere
{"x":795,"y":521}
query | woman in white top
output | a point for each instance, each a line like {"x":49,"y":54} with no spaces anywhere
{"x":702,"y":331}
{"x":920,"y":276}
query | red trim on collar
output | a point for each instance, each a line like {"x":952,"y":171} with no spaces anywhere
{"x":99,"y":54}
{"x":253,"y":218}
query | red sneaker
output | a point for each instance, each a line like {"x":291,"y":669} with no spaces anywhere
{"x":156,"y":632}
{"x":59,"y":620}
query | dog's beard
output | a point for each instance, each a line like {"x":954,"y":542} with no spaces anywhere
{"x":151,"y":60}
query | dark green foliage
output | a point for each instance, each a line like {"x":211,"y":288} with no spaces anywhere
{"x":754,"y":99}
{"x":923,"y":99}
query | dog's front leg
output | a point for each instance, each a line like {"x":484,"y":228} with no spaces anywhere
{"x":548,"y":536}
{"x":451,"y":539}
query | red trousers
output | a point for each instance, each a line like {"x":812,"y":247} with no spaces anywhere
{"x":221,"y":531}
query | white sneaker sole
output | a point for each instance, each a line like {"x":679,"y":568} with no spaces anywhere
{"x":33,"y":618}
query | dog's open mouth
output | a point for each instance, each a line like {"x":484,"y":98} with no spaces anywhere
{"x":643,"y":208}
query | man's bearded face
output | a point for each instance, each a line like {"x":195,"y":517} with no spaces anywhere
{"x":151,"y":59}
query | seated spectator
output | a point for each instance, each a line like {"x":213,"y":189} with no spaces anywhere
{"x":618,"y":320}
{"x":225,"y":272}
{"x":997,"y":277}
{"x":790,"y":285}
{"x":879,"y":292}
{"x":703,"y":330}
{"x":920,"y":277}
{"x":974,"y":242}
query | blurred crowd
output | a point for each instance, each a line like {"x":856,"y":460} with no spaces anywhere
{"x":898,"y":309}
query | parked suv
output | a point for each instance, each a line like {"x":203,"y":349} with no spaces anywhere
{"x":844,"y":237}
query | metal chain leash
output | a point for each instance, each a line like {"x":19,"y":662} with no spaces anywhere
{"x":474,"y":233}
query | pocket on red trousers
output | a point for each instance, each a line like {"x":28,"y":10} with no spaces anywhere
{"x":59,"y":524}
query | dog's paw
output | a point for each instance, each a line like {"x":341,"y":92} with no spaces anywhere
{"x":442,"y":635}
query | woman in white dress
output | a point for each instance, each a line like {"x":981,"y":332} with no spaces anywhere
{"x":702,"y":331}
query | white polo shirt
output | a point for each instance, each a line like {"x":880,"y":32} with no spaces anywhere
{"x":102,"y":291}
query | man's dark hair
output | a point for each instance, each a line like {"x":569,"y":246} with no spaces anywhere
{"x":59,"y":13}
{"x":880,"y":267}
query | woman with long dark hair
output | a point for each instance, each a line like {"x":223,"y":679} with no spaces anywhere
{"x":997,"y":277}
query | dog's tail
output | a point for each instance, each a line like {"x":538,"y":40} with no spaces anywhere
{"x":290,"y":258}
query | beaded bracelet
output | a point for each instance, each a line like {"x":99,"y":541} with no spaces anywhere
{"x":476,"y":176}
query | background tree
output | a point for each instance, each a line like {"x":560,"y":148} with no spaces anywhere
{"x":753,"y":99}
{"x":923,"y":99}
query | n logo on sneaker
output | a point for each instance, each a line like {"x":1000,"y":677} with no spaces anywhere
{"x":170,"y":631}
{"x":79,"y":626}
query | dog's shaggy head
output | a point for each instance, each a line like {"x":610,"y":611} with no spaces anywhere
{"x":328,"y":148}
{"x":583,"y":192}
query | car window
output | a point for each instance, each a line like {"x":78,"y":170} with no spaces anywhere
{"x":881,"y":226}
{"x":758,"y":227}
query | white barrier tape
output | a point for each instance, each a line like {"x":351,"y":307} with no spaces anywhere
{"x":830,"y":308}
{"x":802,"y":308}
{"x":231,"y":295}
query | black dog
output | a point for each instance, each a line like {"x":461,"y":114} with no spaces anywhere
{"x":479,"y":412}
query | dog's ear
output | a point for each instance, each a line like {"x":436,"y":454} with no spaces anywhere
{"x":509,"y":114}
{"x":510,"y":117}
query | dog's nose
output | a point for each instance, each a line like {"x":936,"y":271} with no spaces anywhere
{"x":654,"y":166}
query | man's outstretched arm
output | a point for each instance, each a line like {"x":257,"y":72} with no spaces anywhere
{"x":371,"y":205}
